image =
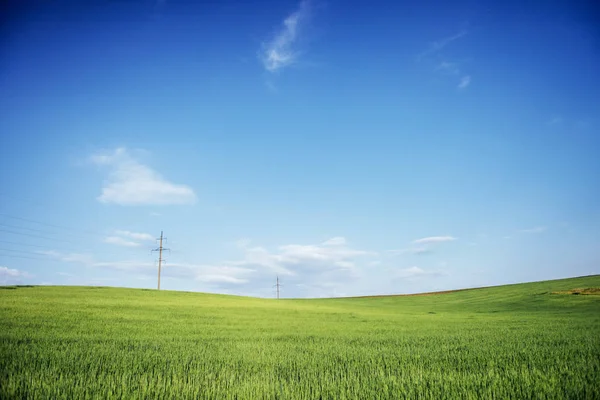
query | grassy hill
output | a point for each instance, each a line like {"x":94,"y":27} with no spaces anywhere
{"x":533,"y":340}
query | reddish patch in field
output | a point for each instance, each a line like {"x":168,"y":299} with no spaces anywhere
{"x":411,"y":295}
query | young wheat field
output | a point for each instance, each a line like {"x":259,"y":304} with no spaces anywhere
{"x":528,"y":341}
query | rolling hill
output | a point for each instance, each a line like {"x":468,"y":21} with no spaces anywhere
{"x":531,"y":340}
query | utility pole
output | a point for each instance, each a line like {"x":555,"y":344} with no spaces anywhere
{"x":277,"y":285}
{"x":160,"y":251}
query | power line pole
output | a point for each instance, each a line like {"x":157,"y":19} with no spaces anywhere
{"x":278,"y":285}
{"x":160,"y":259}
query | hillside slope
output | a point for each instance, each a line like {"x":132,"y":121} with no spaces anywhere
{"x":521,"y":341}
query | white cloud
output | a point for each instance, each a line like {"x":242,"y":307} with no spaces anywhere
{"x":119,"y":241}
{"x":280,"y":52}
{"x":133,"y":183}
{"x":464,"y":82}
{"x":306,"y":264}
{"x":9,"y":276}
{"x":537,"y":229}
{"x":434,"y":239}
{"x":136,"y":235}
{"x":335,"y":241}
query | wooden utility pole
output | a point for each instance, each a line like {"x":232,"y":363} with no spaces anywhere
{"x":160,"y":259}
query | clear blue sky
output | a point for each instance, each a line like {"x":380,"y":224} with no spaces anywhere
{"x":349,"y":147}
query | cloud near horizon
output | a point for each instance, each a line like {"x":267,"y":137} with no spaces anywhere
{"x":133,"y":183}
{"x":12,"y":276}
{"x":331,"y":261}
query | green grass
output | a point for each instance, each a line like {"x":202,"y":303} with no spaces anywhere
{"x":533,"y":340}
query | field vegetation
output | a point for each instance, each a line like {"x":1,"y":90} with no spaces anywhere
{"x":528,"y":341}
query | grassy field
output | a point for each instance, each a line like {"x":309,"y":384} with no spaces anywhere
{"x":527,"y":341}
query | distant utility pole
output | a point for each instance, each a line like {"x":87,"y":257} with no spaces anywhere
{"x":277,"y":285}
{"x":160,"y":251}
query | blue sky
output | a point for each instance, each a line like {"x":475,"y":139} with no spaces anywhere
{"x":349,"y":148}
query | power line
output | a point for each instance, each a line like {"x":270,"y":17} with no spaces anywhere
{"x":24,"y":257}
{"x":21,"y":251}
{"x":30,"y":229}
{"x":22,"y":244}
{"x":85,"y":232}
{"x":58,"y":249}
{"x":34,"y":236}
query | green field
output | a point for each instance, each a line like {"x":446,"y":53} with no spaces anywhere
{"x":533,"y":340}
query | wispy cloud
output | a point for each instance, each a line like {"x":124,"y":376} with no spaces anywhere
{"x":133,"y":183}
{"x":280,"y":51}
{"x":420,"y":250}
{"x":135,"y":235}
{"x":434,"y":239}
{"x":464,"y":82}
{"x":448,"y":68}
{"x":537,"y":229}
{"x":335,"y":241}
{"x":424,"y":245}
{"x":438,"y":45}
{"x":119,"y":241}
